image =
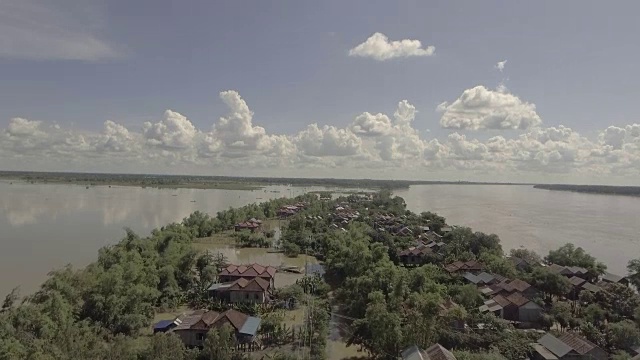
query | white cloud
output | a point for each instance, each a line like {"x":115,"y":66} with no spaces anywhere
{"x":379,"y":47}
{"x":367,"y":124}
{"x":500,"y":65}
{"x":479,"y":108}
{"x":117,"y":138}
{"x":328,"y":141}
{"x":23,"y":127}
{"x":374,"y":144}
{"x":62,"y":30}
{"x":173,"y":131}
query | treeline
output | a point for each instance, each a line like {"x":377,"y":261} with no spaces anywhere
{"x":594,"y":189}
{"x":198,"y":181}
{"x":104,"y":311}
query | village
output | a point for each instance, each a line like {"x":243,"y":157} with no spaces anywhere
{"x":549,"y":304}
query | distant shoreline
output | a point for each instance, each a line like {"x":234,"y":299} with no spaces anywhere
{"x":216,"y":182}
{"x":593,"y":189}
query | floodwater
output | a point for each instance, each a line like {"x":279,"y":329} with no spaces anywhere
{"x":263,"y":257}
{"x":45,"y":226}
{"x":606,"y":226}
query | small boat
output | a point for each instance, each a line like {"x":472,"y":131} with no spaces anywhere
{"x":193,"y":201}
{"x":290,"y":269}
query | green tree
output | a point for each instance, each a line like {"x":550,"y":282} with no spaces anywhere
{"x":219,"y":343}
{"x":624,"y":335}
{"x":634,"y":272}
{"x":561,"y":312}
{"x":530,"y":256}
{"x":593,"y":334}
{"x":594,"y":314}
{"x":570,"y":255}
{"x":164,"y":347}
{"x":380,"y":331}
{"x":10,"y":299}
{"x":550,"y":283}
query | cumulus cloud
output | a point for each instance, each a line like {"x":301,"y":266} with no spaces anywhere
{"x":379,"y":47}
{"x":479,"y":108}
{"x":500,"y":65}
{"x":117,"y":138}
{"x":328,"y":141}
{"x":23,"y":127}
{"x":367,"y":124}
{"x":173,"y":131}
{"x":373,"y":143}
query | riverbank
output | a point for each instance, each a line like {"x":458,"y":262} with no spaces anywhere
{"x":218,"y":182}
{"x":593,"y":189}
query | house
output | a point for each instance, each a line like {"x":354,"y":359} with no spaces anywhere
{"x":506,"y":287}
{"x":254,"y":291}
{"x":415,"y":255}
{"x":446,"y":307}
{"x":514,"y":307}
{"x":460,"y":266}
{"x":435,"y":352}
{"x":164,"y":326}
{"x":252,"y":224}
{"x":193,"y":327}
{"x":526,"y":311}
{"x":495,"y":305}
{"x":234,"y":272}
{"x":591,"y":287}
{"x":567,"y":346}
{"x":483,"y":278}
{"x":568,"y":271}
{"x":614,"y":279}
{"x":522,"y":264}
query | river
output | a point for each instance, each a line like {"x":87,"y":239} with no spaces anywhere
{"x":607,"y":226}
{"x":45,"y":226}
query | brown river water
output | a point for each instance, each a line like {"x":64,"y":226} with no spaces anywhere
{"x":45,"y":226}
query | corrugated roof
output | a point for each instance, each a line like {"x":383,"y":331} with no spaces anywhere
{"x":577,"y":281}
{"x":553,"y":344}
{"x":162,"y":324}
{"x":250,"y":326}
{"x":577,"y":343}
{"x":501,"y":300}
{"x":518,"y":299}
{"x":471,"y":278}
{"x":486,"y":277}
{"x":613,"y":278}
{"x":591,"y":287}
{"x":438,"y":352}
{"x":544,"y":352}
{"x":413,"y":353}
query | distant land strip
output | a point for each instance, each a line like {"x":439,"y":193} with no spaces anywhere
{"x":594,"y":189}
{"x":216,"y":182}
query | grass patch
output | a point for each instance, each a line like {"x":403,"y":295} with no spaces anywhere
{"x":224,"y":238}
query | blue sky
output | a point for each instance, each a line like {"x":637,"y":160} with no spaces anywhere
{"x":77,"y":64}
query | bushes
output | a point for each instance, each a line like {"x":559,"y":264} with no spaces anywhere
{"x":291,"y":249}
{"x":245,"y":239}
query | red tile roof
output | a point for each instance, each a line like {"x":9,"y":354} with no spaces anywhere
{"x":249,"y":271}
{"x":203,"y":321}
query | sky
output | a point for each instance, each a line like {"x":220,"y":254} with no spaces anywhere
{"x":541,"y":91}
